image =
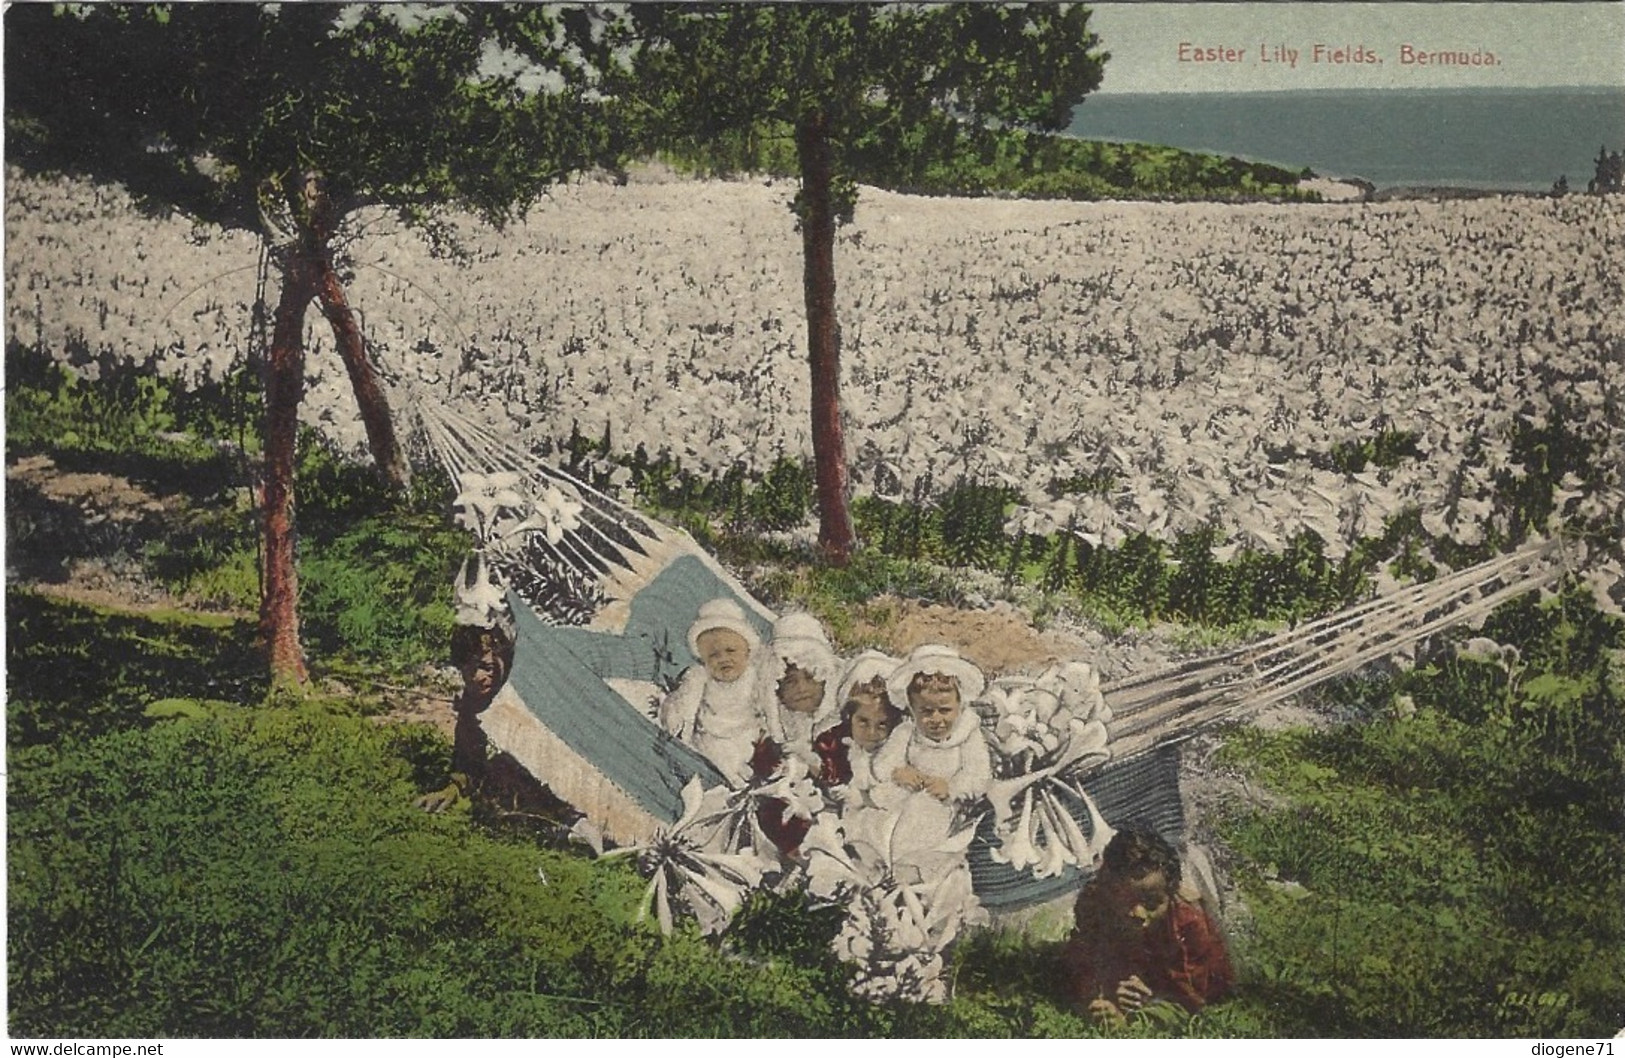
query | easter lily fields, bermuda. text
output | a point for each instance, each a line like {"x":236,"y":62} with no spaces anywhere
{"x":1290,"y":57}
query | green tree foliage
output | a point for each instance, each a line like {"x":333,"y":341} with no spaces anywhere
{"x":283,"y":120}
{"x":219,"y":111}
{"x":876,"y":93}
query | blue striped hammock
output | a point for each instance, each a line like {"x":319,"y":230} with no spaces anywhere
{"x":572,"y":711}
{"x":562,"y":718}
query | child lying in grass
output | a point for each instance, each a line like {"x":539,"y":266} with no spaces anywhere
{"x":1139,"y":938}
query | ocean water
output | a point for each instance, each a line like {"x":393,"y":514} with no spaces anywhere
{"x":1503,"y":139}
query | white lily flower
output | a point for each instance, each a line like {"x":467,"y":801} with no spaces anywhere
{"x":560,"y":513}
{"x":801,"y":796}
{"x":480,"y":601}
{"x":689,"y":872}
{"x":1016,"y":847}
{"x":1049,"y":730}
{"x":895,"y":931}
{"x":483,"y":499}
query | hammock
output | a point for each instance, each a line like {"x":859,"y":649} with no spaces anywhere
{"x":591,"y":655}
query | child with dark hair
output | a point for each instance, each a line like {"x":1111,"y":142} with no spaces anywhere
{"x":799,"y":678}
{"x":1139,"y":939}
{"x":868,"y":717}
{"x":484,"y":656}
{"x":798,"y":683}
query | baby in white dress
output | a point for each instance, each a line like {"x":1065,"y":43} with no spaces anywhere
{"x":716,"y":706}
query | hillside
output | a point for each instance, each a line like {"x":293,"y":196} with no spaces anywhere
{"x":1125,"y":432}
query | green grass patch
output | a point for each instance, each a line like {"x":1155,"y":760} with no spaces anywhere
{"x":1452,"y":872}
{"x":1013,"y":162}
{"x":76,"y":671}
{"x":264,"y":872}
{"x":381,"y":591}
{"x":128,"y":412}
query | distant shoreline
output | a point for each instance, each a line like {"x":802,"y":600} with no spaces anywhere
{"x":1402,"y":193}
{"x":1502,"y":141}
{"x":1355,"y":189}
{"x":1478,"y":90}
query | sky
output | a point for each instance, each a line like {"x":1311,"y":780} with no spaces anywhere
{"x":1251,"y":45}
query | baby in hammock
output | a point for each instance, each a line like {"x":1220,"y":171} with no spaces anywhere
{"x":716,"y":706}
{"x":800,"y":684}
{"x":934,"y":759}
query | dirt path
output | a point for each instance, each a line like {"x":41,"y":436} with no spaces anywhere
{"x":70,"y":533}
{"x":997,"y":640}
{"x":78,"y":528}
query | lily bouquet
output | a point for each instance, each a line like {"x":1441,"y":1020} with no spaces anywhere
{"x":899,"y":924}
{"x":696,"y":866}
{"x":1047,"y":732}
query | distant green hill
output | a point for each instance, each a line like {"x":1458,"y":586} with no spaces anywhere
{"x":1502,"y":139}
{"x":1031,"y":165}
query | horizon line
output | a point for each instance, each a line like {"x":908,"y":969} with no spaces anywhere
{"x":1366,"y":90}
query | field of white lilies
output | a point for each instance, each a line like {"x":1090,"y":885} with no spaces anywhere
{"x":1205,"y":360}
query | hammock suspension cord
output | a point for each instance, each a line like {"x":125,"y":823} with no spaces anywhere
{"x":1151,"y":709}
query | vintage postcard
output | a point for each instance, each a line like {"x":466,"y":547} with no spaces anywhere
{"x":862,"y":520}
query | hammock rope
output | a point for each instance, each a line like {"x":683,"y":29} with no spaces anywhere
{"x":1161,"y":707}
{"x":604,"y":529}
{"x":1148,"y":710}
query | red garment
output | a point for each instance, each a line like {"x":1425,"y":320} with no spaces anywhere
{"x":832,"y":749}
{"x":786,"y":834}
{"x":765,"y":759}
{"x":1181,"y":957}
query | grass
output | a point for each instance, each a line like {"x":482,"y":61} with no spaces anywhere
{"x":190,"y":857}
{"x":75,"y":671}
{"x":1448,"y":873}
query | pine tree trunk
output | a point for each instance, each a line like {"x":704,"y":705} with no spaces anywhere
{"x":835,"y":535}
{"x":284,"y":387}
{"x":369,"y":394}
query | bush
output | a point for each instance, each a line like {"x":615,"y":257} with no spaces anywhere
{"x":1014,"y":161}
{"x":128,"y":409}
{"x":381,"y":591}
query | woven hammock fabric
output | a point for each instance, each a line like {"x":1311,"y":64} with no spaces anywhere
{"x":560,"y":716}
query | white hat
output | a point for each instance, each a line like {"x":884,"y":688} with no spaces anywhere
{"x":799,"y":639}
{"x":864,"y":668}
{"x":934,"y":657}
{"x":722,"y":613}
